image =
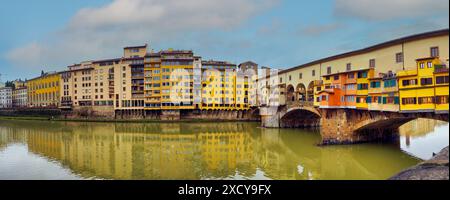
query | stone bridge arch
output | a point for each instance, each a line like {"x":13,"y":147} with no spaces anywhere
{"x":355,"y":126}
{"x":300,"y":117}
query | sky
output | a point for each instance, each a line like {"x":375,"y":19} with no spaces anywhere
{"x":49,"y":35}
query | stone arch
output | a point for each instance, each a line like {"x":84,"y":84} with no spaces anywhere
{"x":301,"y":92}
{"x":300,"y":117}
{"x":378,"y":126}
{"x":290,"y":94}
{"x":310,"y":92}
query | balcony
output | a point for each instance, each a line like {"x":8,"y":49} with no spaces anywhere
{"x":137,"y":76}
{"x":441,"y":69}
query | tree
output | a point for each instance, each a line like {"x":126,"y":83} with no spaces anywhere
{"x":10,"y":84}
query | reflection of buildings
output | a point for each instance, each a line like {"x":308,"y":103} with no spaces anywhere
{"x":198,"y":151}
{"x":418,"y":128}
{"x":103,"y":151}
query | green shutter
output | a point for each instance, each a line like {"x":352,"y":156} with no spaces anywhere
{"x":396,"y":100}
{"x":384,"y":100}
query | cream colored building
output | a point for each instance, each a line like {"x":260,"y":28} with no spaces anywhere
{"x":20,"y":97}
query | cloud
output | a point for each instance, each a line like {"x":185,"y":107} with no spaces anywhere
{"x":390,"y":9}
{"x":95,"y":33}
{"x":319,"y":29}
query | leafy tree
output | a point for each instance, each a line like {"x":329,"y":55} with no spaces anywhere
{"x":10,"y":84}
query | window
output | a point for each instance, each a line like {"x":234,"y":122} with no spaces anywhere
{"x":372,"y":63}
{"x":300,"y":76}
{"x":426,"y":100}
{"x":434,"y":51}
{"x":362,"y":74}
{"x":281,"y":80}
{"x":290,"y":78}
{"x":426,"y":81}
{"x":390,"y":83}
{"x":313,"y":72}
{"x":328,"y":70}
{"x":363,"y":86}
{"x":409,"y":82}
{"x":336,"y":77}
{"x":411,"y":100}
{"x":375,"y":84}
{"x":390,"y":100}
{"x":442,"y":99}
{"x":422,"y":65}
{"x":351,"y":76}
{"x":441,"y":79}
{"x":430,"y":65}
{"x":399,"y":57}
{"x":349,"y":66}
{"x":327,"y":78}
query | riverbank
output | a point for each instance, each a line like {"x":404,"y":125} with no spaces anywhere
{"x":40,"y":118}
{"x":434,"y":169}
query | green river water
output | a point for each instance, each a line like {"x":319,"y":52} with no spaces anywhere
{"x":82,"y":150}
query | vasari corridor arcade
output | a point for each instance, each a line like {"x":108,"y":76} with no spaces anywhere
{"x":359,"y":96}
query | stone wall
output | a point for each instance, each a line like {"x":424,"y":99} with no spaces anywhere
{"x":31,"y":112}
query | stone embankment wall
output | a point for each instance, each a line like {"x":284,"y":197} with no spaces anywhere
{"x":434,"y":169}
{"x":108,"y":113}
{"x":31,"y":112}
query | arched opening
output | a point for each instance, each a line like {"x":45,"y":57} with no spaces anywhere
{"x":301,"y":92}
{"x":387,"y":130}
{"x":290,"y":95}
{"x":310,"y":92}
{"x":300,"y":118}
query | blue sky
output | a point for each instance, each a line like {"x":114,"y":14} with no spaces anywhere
{"x":49,"y":35}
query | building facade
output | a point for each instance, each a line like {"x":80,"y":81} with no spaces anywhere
{"x":372,"y":89}
{"x":20,"y":97}
{"x":6,"y":97}
{"x":44,"y":91}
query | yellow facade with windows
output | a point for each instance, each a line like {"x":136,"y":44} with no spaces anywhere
{"x":219,"y":86}
{"x":152,"y":81}
{"x":417,"y":86}
{"x":362,"y":88}
{"x":441,"y":89}
{"x":44,"y":91}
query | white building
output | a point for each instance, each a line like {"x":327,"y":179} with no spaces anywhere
{"x":5,"y":97}
{"x":20,"y":97}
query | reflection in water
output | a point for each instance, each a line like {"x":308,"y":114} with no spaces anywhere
{"x":423,"y":137}
{"x":188,"y":151}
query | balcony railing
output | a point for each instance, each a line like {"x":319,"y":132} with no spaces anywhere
{"x":441,"y":70}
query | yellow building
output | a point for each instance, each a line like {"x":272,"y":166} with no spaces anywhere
{"x":152,"y":81}
{"x":417,"y":86}
{"x":44,"y":91}
{"x":219,"y":90}
{"x":177,"y":67}
{"x":362,"y":88}
{"x":441,"y":89}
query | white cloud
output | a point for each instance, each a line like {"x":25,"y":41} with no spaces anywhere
{"x":95,"y":33}
{"x":390,"y":9}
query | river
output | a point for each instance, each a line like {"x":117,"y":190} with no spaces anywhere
{"x":82,"y":150}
